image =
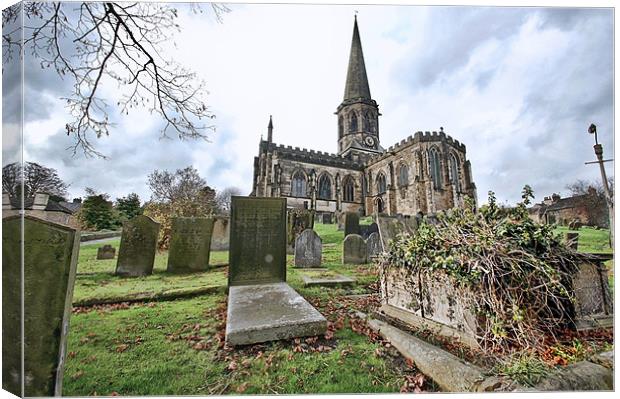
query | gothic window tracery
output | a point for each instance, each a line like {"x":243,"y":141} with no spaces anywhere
{"x":435,"y":168}
{"x":352,"y":122}
{"x":340,"y":127}
{"x":298,"y":184}
{"x":348,"y":194}
{"x":403,"y":175}
{"x":325,"y":187}
{"x":381,"y":185}
{"x":454,"y":172}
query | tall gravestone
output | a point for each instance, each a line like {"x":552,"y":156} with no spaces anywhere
{"x":351,"y":223}
{"x":190,"y":244}
{"x":221,"y":234}
{"x":373,"y":245}
{"x":308,"y":249}
{"x":391,"y":226}
{"x":136,"y":255}
{"x":354,"y":250}
{"x":50,"y":253}
{"x":257,"y":241}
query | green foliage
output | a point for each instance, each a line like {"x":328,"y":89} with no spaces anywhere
{"x":97,"y":212}
{"x":128,"y":207}
{"x":498,"y":253}
{"x":526,"y":369}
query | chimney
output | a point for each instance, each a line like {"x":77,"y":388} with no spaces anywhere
{"x":40,"y":201}
{"x":555,"y":197}
{"x":77,"y":200}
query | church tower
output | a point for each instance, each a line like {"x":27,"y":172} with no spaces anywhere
{"x":358,"y":114}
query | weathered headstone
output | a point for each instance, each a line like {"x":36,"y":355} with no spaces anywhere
{"x":298,"y":221}
{"x":106,"y":252}
{"x":327,"y":218}
{"x":50,"y":253}
{"x":339,"y":217}
{"x":354,"y":249}
{"x":373,"y":245}
{"x":351,"y":223}
{"x":366,"y":231}
{"x":572,"y":240}
{"x":593,"y":300}
{"x":257,"y":241}
{"x":136,"y":254}
{"x":391,"y":226}
{"x":190,"y":244}
{"x":221,"y":234}
{"x":308,"y":249}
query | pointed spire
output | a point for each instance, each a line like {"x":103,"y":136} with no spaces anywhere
{"x":357,"y":81}
{"x":270,"y":130}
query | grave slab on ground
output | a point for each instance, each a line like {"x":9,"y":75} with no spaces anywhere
{"x":325,"y":279}
{"x":268,"y":312}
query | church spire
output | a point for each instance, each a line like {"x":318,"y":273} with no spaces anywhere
{"x":270,"y":130}
{"x":357,"y":81}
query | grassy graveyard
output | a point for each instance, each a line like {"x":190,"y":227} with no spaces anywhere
{"x":176,"y":346}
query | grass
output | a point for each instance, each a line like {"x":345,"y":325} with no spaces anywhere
{"x":172,"y":347}
{"x":590,"y":240}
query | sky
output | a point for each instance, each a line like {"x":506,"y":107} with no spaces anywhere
{"x":518,"y":86}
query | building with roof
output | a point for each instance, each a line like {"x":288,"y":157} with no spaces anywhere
{"x":424,"y":173}
{"x":588,"y":209}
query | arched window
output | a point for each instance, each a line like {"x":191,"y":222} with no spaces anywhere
{"x":340,"y":127}
{"x":435,"y":168}
{"x":348,"y":189}
{"x":403,"y":175}
{"x":352,"y":122}
{"x":367,"y":119}
{"x":381,"y":186}
{"x":454,"y":172}
{"x":298,"y":184}
{"x":325,"y":187}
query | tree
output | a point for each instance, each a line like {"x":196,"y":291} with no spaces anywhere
{"x":35,"y":178}
{"x":580,"y":187}
{"x":96,"y":211}
{"x":128,"y":207}
{"x":592,"y":196}
{"x":93,"y":43}
{"x":182,"y":193}
{"x":222,"y":199}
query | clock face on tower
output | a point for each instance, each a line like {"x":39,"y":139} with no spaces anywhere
{"x":369,"y":141}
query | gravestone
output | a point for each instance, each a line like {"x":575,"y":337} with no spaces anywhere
{"x":298,"y":220}
{"x":50,"y":253}
{"x":392,"y":226}
{"x":354,"y":250}
{"x":572,"y":240}
{"x":221,"y":234}
{"x":106,"y":252}
{"x":351,"y":223}
{"x":308,"y":249}
{"x":136,"y":254}
{"x":366,"y":231}
{"x":257,"y":241}
{"x":373,"y":246}
{"x":190,"y":244}
{"x":593,"y":299}
{"x":339,"y":217}
{"x":327,"y":218}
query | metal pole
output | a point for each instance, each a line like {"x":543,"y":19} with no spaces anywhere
{"x":598,"y":150}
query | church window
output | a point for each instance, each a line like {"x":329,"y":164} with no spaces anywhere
{"x":366,"y":120}
{"x":340,"y":127}
{"x":298,"y":185}
{"x":381,"y":186}
{"x":403,"y":175}
{"x":435,"y":168}
{"x":348,"y":190}
{"x":325,"y":187}
{"x":454,"y":173}
{"x":352,"y":122}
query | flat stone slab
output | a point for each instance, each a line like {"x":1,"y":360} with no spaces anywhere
{"x":269,"y":312}
{"x":318,"y":279}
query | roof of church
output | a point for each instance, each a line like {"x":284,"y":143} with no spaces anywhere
{"x":357,"y":81}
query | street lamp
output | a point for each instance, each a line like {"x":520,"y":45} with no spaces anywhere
{"x":598,"y":150}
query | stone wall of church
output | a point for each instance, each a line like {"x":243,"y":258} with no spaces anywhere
{"x":402,"y":180}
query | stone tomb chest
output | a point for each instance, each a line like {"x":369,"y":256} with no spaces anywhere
{"x":261,"y":306}
{"x":50,"y":254}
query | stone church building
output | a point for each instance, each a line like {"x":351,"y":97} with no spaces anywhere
{"x":424,"y":173}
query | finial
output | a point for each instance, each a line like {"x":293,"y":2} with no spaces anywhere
{"x":441,"y":129}
{"x":270,"y":130}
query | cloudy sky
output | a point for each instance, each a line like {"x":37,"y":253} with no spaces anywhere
{"x":518,"y":86}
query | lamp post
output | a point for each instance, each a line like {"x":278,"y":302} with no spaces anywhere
{"x":598,"y":151}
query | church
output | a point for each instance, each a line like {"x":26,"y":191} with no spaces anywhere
{"x":424,"y":173}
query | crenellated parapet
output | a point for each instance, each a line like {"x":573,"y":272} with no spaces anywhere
{"x":417,"y":138}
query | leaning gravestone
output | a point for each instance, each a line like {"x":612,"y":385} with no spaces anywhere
{"x":308,"y":249}
{"x":50,"y":253}
{"x":190,"y":244}
{"x":136,"y":254}
{"x":351,"y":223}
{"x":261,"y":306}
{"x":373,"y":245}
{"x":354,"y":250}
{"x":106,"y":252}
{"x":298,"y":221}
{"x":391,"y":226}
